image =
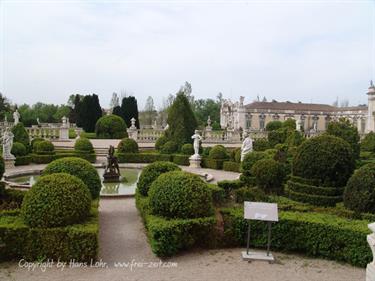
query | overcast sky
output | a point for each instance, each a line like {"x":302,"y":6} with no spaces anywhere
{"x":310,"y":51}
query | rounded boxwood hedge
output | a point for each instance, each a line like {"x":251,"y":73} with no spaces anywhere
{"x":325,"y":158}
{"x":77,"y":167}
{"x":250,"y":159}
{"x":111,"y":127}
{"x":151,"y":173}
{"x":44,"y":147}
{"x":218,"y":152}
{"x":56,"y":200}
{"x":180,"y":194}
{"x":127,"y":146}
{"x":18,"y":149}
{"x":169,"y":147}
{"x":269,"y":175}
{"x":160,"y":142}
{"x":83,"y":145}
{"x":34,"y":142}
{"x":359,"y":194}
{"x":187,"y":149}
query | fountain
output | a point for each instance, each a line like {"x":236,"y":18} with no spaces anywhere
{"x":112,"y":170}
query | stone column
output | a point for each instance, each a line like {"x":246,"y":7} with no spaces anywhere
{"x":132,"y":130}
{"x":64,"y":130}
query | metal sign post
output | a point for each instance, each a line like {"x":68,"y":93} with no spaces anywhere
{"x":264,"y":212}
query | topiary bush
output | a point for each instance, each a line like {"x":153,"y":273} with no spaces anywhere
{"x":56,"y":200}
{"x":218,"y":152}
{"x":169,"y":147}
{"x":269,"y":175}
{"x":187,"y":149}
{"x":325,"y":158}
{"x":18,"y":149}
{"x":160,"y":142}
{"x":180,"y":194}
{"x":21,"y":135}
{"x":44,"y":147}
{"x":111,"y":127}
{"x":77,"y":167}
{"x":83,"y":145}
{"x":289,"y":124}
{"x":151,"y":172}
{"x":250,"y":159}
{"x":368,"y":143}
{"x":273,"y":125}
{"x":261,"y":144}
{"x":127,"y":146}
{"x":34,"y":142}
{"x":359,"y":194}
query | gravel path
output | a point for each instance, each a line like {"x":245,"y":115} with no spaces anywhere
{"x":122,"y":239}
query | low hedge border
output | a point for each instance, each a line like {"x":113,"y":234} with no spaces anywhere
{"x":218,"y":194}
{"x":314,"y":182}
{"x":318,"y":200}
{"x":45,"y":159}
{"x":23,"y":160}
{"x":215,"y":164}
{"x":143,"y":157}
{"x":181,"y":159}
{"x":167,"y":237}
{"x":314,"y":190}
{"x":79,"y":242}
{"x":319,"y":235}
{"x":231,"y":166}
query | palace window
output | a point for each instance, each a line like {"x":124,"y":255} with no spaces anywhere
{"x":248,"y":121}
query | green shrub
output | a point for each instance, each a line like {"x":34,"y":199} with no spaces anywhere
{"x":21,"y":135}
{"x":169,"y":147}
{"x":231,"y":166}
{"x":230,"y":185}
{"x":142,"y":157}
{"x":110,"y":127}
{"x":151,"y":173}
{"x":56,"y":200}
{"x":359,"y":194}
{"x":23,"y":160}
{"x":179,"y":194}
{"x":250,"y":159}
{"x":277,"y":136}
{"x":294,"y":138}
{"x":218,"y":194}
{"x":77,"y":167}
{"x":310,"y":189}
{"x":325,"y":158}
{"x":187,"y":149}
{"x":289,"y":124}
{"x":368,"y":143}
{"x":269,"y":175}
{"x":314,"y":234}
{"x":261,"y":144}
{"x":212,"y":163}
{"x":127,"y":146}
{"x":34,"y":142}
{"x":253,"y":194}
{"x":18,"y":149}
{"x":42,"y":159}
{"x":83,"y":145}
{"x":235,"y":155}
{"x":273,"y":125}
{"x":218,"y":152}
{"x":160,"y":142}
{"x":206,"y":151}
{"x":313,"y":199}
{"x":181,"y":159}
{"x":44,"y":147}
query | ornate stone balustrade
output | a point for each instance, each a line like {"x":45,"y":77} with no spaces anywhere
{"x":44,"y":132}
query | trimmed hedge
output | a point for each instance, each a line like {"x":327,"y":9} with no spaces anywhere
{"x":181,"y":159}
{"x":269,"y":175}
{"x":314,"y":234}
{"x":83,"y":145}
{"x":218,"y":152}
{"x":187,"y":149}
{"x":44,"y":148}
{"x":142,"y":157}
{"x":110,"y":127}
{"x":160,"y":142}
{"x":253,"y":194}
{"x":56,"y":200}
{"x":151,"y":173}
{"x":18,"y":149}
{"x":127,"y":146}
{"x":212,"y":163}
{"x":23,"y":160}
{"x":42,"y":159}
{"x":169,"y":147}
{"x":218,"y":194}
{"x":318,"y":200}
{"x":179,"y":194}
{"x":77,"y":167}
{"x":231,"y":166}
{"x":314,"y":190}
{"x":79,"y":242}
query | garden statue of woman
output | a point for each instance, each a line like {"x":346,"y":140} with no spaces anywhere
{"x":16,"y":117}
{"x":7,"y":140}
{"x":197,"y":138}
{"x":247,"y":146}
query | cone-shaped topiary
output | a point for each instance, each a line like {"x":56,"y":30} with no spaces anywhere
{"x":77,"y":167}
{"x":56,"y":200}
{"x":21,"y":135}
{"x":151,"y":172}
{"x":127,"y":146}
{"x":18,"y":149}
{"x":180,"y":194}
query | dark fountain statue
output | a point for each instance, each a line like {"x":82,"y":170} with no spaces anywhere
{"x":112,"y":170}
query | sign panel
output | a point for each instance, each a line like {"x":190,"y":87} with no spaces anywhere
{"x":260,"y":211}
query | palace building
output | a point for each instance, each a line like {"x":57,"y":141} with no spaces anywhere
{"x":309,"y":116}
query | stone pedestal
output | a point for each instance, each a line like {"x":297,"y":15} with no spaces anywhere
{"x":370,"y":269}
{"x":133,"y":133}
{"x":64,"y":134}
{"x":9,"y":163}
{"x":195,"y":161}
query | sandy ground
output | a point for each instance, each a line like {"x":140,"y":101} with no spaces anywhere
{"x":122,"y":240}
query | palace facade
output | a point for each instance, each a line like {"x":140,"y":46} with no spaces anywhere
{"x":309,"y":117}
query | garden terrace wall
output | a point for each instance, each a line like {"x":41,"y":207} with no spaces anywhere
{"x":314,"y":234}
{"x":79,"y":241}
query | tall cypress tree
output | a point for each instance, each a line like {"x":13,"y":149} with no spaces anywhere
{"x":181,"y":120}
{"x":129,"y":109}
{"x":88,"y":112}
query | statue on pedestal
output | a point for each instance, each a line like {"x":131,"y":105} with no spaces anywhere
{"x":16,"y":117}
{"x":112,"y":170}
{"x":7,"y":140}
{"x":247,"y":146}
{"x":197,"y":138}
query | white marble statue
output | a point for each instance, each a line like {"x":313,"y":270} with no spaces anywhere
{"x":7,"y":140}
{"x":197,"y":138}
{"x":16,"y":117}
{"x":299,"y":124}
{"x":247,"y":146}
